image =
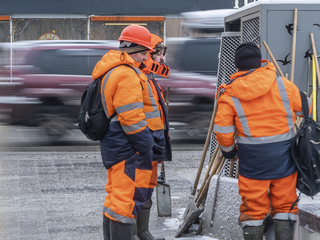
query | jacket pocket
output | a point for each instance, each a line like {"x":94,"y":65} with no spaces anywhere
{"x":159,"y":142}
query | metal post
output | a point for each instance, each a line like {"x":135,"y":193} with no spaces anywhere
{"x":11,"y":54}
{"x":88,"y":27}
{"x":236,"y":3}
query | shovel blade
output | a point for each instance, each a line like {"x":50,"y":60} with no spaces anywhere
{"x":189,"y":206}
{"x":191,"y":216}
{"x":163,"y":200}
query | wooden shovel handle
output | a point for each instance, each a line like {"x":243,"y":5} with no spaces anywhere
{"x":212,"y":161}
{"x":294,"y":40}
{"x":167,"y":99}
{"x":167,"y":108}
{"x":216,"y":162}
{"x":220,"y":165}
{"x":206,"y":145}
{"x":274,"y":61}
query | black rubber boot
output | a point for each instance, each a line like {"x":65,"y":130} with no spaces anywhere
{"x":135,"y":231}
{"x":120,"y":230}
{"x":284,"y":229}
{"x":143,"y":225}
{"x":253,"y":233}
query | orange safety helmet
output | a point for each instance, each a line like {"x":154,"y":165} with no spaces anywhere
{"x":137,"y":34}
{"x":152,"y":66}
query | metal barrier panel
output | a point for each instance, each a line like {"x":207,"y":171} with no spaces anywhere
{"x":251,"y":30}
{"x":229,"y":43}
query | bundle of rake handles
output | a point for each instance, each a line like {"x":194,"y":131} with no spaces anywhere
{"x":215,"y":167}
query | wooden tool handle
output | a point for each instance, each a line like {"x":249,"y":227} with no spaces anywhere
{"x":167,"y":99}
{"x":274,"y":61}
{"x":294,"y":39}
{"x":206,"y":145}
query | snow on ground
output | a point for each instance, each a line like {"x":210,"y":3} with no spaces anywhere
{"x":173,"y":223}
{"x":198,"y":238}
{"x":310,"y":205}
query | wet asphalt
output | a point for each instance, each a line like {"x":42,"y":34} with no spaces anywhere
{"x":57,"y":191}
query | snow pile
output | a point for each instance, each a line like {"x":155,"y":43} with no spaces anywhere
{"x":309,"y":205}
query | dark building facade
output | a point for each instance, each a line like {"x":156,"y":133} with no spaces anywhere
{"x":94,"y":19}
{"x":110,"y":7}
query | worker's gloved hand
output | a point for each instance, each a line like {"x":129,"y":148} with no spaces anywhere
{"x":144,"y":161}
{"x":234,"y":159}
{"x":230,"y":155}
{"x":158,"y":150}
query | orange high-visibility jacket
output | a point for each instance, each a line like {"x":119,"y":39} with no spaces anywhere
{"x":125,"y":92}
{"x":161,"y":135}
{"x":262,"y":107}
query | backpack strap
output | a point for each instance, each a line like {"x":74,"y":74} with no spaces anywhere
{"x":104,"y":103}
{"x":305,"y":107}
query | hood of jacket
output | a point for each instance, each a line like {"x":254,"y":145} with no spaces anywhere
{"x":112,"y":59}
{"x":148,"y":64}
{"x":246,"y":85}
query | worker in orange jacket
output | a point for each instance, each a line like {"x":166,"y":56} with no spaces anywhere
{"x":159,"y":126}
{"x":262,"y":108}
{"x":127,"y":148}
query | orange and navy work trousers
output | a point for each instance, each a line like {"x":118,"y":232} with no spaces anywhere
{"x":259,"y":197}
{"x":153,"y":181}
{"x":127,"y":188}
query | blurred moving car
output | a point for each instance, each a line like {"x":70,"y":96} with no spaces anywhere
{"x":193,"y":77}
{"x":198,"y":55}
{"x":191,"y":101}
{"x":47,"y":81}
{"x":204,"y":23}
{"x":44,"y":83}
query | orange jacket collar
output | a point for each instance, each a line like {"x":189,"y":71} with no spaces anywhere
{"x":253,"y":85}
{"x":112,"y":59}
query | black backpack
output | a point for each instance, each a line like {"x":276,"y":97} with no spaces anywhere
{"x":92,"y":119}
{"x":305,"y":151}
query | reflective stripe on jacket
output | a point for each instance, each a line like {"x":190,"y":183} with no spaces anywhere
{"x":262,"y":108}
{"x":151,"y":107}
{"x":123,"y":93}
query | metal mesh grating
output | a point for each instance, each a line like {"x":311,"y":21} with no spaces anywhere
{"x":251,"y":31}
{"x":226,"y":170}
{"x":229,"y":43}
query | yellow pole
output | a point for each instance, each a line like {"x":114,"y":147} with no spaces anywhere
{"x":314,"y":89}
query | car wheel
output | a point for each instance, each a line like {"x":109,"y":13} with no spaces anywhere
{"x":54,"y":120}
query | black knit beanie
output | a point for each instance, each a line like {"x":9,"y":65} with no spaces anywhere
{"x":247,"y":56}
